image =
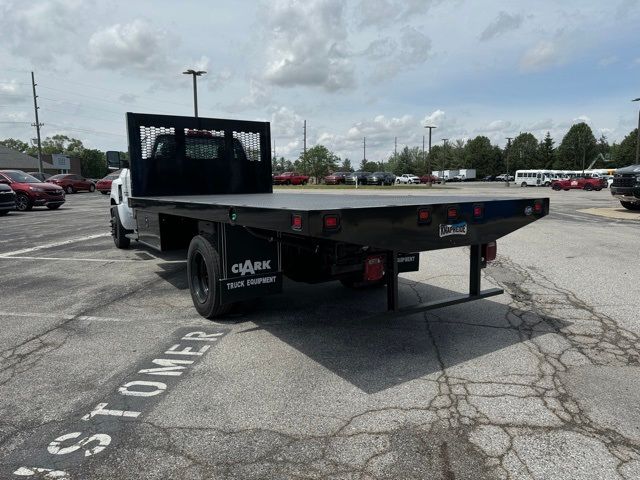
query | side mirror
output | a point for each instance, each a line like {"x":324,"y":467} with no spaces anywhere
{"x":113,"y":160}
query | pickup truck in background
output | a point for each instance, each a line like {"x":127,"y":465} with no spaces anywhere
{"x":290,"y":178}
{"x":580,"y":183}
{"x":626,"y":187}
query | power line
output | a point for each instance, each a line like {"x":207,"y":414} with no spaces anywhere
{"x":86,"y":130}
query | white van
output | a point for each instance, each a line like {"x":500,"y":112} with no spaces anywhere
{"x":533,"y":178}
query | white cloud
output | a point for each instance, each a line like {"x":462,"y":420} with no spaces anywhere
{"x":12,"y":92}
{"x":540,"y":57}
{"x":307,"y":45}
{"x":136,"y":45}
{"x":503,"y":23}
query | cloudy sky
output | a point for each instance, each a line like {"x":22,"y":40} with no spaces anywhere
{"x":378,"y":69}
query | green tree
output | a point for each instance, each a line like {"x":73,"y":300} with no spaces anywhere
{"x":577,"y":149}
{"x":14,"y":144}
{"x":407,"y":161}
{"x":524,"y":153}
{"x":318,"y":162}
{"x":625,"y":153}
{"x":547,"y":151}
{"x":58,"y":144}
{"x":480,"y":154}
{"x":93,"y":163}
{"x":346,"y":166}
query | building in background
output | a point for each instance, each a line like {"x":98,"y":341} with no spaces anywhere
{"x":14,"y":160}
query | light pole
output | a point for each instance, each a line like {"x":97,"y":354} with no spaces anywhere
{"x":638,"y":135}
{"x":508,"y":155}
{"x":195,"y":73}
{"x":430,"y":127}
{"x":444,"y":157}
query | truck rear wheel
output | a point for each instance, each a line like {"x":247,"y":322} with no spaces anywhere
{"x":630,"y":205}
{"x":203,"y":272}
{"x":118,"y":232}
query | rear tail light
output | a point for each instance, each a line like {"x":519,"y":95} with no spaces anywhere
{"x":424,"y":216}
{"x":331,"y":222}
{"x":374,"y":268}
{"x":478,"y":211}
{"x":452,"y":213}
{"x":489,"y":251}
{"x":538,"y":207}
{"x":296,"y":222}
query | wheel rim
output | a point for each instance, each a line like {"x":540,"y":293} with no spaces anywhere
{"x":22,"y":202}
{"x":69,"y":190}
{"x":200,"y":278}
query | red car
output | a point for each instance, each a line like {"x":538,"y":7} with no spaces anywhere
{"x":31,"y":192}
{"x":335,"y":178}
{"x":429,"y":179}
{"x":290,"y":178}
{"x":72,"y":183}
{"x":582,"y":183}
{"x":104,"y":185}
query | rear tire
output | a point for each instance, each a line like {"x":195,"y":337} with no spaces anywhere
{"x":523,"y":184}
{"x":69,"y":189}
{"x":203,"y":273}
{"x":588,"y":187}
{"x":53,"y":207}
{"x":92,"y":188}
{"x":104,"y":193}
{"x":118,"y":232}
{"x":631,"y":206}
{"x":556,"y":187}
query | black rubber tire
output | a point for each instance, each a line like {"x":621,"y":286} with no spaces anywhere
{"x":203,"y":272}
{"x":105,"y":193}
{"x":631,"y":206}
{"x":3,"y":213}
{"x":23,"y":204}
{"x":304,"y":182}
{"x":69,"y":189}
{"x":92,"y":188}
{"x":598,"y":189}
{"x":287,"y":182}
{"x":588,"y":187}
{"x":556,"y":187}
{"x":546,"y":184}
{"x":118,"y":232}
{"x":54,"y":207}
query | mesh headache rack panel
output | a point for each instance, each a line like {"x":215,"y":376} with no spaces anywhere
{"x":172,"y":155}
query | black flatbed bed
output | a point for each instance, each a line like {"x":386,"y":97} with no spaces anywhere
{"x":312,"y":201}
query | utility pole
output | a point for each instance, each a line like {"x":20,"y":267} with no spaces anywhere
{"x":37,"y":124}
{"x":195,"y":73}
{"x":395,"y":146}
{"x":430,"y":127}
{"x":508,"y":155}
{"x":638,"y":135}
{"x":444,"y":153}
{"x":364,"y":150}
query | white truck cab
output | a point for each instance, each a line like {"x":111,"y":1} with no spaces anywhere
{"x":123,"y":222}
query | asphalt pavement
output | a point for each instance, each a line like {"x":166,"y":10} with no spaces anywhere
{"x":107,"y":371}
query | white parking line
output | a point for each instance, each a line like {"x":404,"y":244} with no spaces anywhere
{"x":55,"y":244}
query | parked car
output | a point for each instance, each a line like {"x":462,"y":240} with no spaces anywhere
{"x":43,"y":177}
{"x":360,"y":177}
{"x":583,"y":183}
{"x":335,"y":178}
{"x":504,"y":178}
{"x":31,"y":192}
{"x":7,"y":199}
{"x":381,"y":178}
{"x":429,"y":179}
{"x":407,"y":178}
{"x":290,"y":178}
{"x":72,"y":183}
{"x":104,"y":185}
{"x":489,"y":178}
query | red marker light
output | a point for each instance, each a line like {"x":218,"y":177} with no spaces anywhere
{"x":537,"y":208}
{"x":452,"y":212}
{"x":424,"y":216}
{"x":478,"y":211}
{"x":296,"y":221}
{"x":331,"y":222}
{"x":489,"y":251}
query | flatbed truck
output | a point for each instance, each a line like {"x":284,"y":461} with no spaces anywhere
{"x":205,"y":185}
